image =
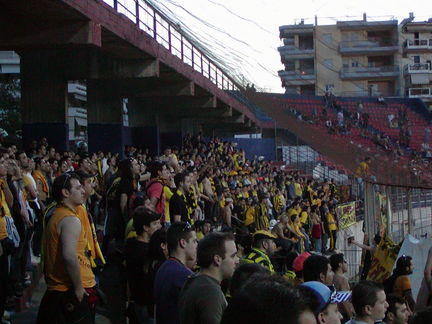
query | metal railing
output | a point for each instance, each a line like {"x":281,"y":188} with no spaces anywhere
{"x":418,"y":43}
{"x":370,"y":69}
{"x":170,"y":36}
{"x":419,"y":92}
{"x":403,"y":210}
{"x":418,"y":68}
{"x":297,"y":74}
{"x":367,"y":43}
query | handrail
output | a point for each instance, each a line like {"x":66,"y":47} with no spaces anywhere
{"x":169,"y":35}
{"x":369,"y":69}
{"x":368,"y":43}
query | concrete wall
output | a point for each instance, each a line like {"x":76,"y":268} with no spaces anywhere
{"x":258,"y":147}
{"x":327,"y":49}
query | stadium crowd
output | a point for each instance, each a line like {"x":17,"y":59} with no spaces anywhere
{"x":206,"y":236}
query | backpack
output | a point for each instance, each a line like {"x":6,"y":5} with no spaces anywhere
{"x":151,"y":183}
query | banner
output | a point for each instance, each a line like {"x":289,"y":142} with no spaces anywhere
{"x":346,"y":215}
{"x":418,"y":250}
{"x":383,"y":260}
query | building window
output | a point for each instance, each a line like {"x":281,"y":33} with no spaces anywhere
{"x":416,"y":59}
{"x":328,"y":39}
{"x":354,"y":63}
{"x":328,"y":63}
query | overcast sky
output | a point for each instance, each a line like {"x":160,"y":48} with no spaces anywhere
{"x":249,"y":29}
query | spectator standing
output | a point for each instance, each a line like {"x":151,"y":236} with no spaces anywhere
{"x":316,"y":229}
{"x":268,"y":299}
{"x":70,"y":281}
{"x":119,"y":209}
{"x":369,"y":301}
{"x":263,"y":248}
{"x":145,"y":222}
{"x":399,"y":283}
{"x":317,"y":268}
{"x":340,"y":267}
{"x":332,"y":227}
{"x":172,"y":274}
{"x":201,"y":299}
{"x":6,"y":244}
{"x":397,"y":311}
{"x":178,"y":204}
{"x":159,"y":174}
{"x":324,"y":301}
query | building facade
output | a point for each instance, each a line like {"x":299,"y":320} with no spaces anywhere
{"x":416,"y":40}
{"x":357,"y":58}
{"x":77,"y":96}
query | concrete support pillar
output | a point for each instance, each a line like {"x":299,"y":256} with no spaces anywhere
{"x":144,"y":124}
{"x":170,"y":131}
{"x":43,"y":99}
{"x":106,"y":131}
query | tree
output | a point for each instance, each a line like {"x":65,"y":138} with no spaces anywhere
{"x":10,"y":102}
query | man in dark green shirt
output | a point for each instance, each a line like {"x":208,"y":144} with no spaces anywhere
{"x":201,"y":299}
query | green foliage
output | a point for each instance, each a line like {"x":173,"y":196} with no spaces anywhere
{"x":10,"y":111}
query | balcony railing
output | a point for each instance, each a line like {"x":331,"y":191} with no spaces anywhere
{"x":291,"y":50}
{"x":302,"y":74}
{"x":418,"y":68}
{"x":298,"y":77}
{"x":418,"y":44}
{"x":419,"y":92}
{"x":368,"y":46}
{"x":170,"y":36}
{"x":365,"y":72}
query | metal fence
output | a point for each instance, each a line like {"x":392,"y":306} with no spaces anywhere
{"x":403,"y":210}
{"x":170,"y":36}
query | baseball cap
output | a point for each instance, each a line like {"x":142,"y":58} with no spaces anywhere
{"x":262,"y":235}
{"x":299,"y":261}
{"x":326,"y":294}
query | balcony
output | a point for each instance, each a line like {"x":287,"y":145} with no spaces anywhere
{"x":298,"y":77}
{"x":293,"y":52}
{"x":368,"y":47}
{"x":367,"y":25}
{"x":420,"y":93}
{"x":418,"y":45}
{"x":417,"y":68}
{"x":369,"y":72}
{"x":299,"y":29}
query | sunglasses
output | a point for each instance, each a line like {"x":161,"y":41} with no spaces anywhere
{"x":186,"y":227}
{"x":67,"y":176}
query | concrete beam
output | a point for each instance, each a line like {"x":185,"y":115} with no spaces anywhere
{"x":22,"y":34}
{"x":176,"y":103}
{"x":180,"y":88}
{"x":112,"y":68}
{"x":240,"y":119}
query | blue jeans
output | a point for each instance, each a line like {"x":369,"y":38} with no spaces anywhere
{"x":317,"y":244}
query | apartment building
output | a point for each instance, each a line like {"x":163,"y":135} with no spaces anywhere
{"x":416,"y":40}
{"x":358,"y":58}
